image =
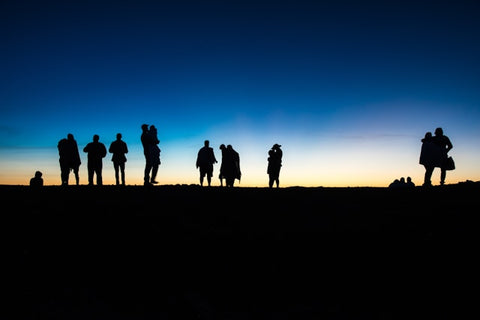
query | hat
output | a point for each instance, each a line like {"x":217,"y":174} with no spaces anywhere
{"x":276,"y":145}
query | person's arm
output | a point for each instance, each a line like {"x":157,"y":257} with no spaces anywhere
{"x":449,"y":145}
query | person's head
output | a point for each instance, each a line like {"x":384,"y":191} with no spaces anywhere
{"x":119,"y":136}
{"x":145,"y":127}
{"x":271,"y":152}
{"x":96,"y":137}
{"x":38,"y":174}
{"x":70,"y":136}
{"x":206,"y":143}
{"x":276,"y":146}
{"x":402,"y":180}
{"x":222,"y":147}
{"x":439,"y":132}
{"x":409,"y":179}
{"x":229,"y":147}
{"x":428,"y":135}
{"x":152,"y":128}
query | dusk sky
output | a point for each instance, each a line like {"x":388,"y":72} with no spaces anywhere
{"x":348,"y":88}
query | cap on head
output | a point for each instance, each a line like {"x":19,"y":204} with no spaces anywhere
{"x":276,"y":145}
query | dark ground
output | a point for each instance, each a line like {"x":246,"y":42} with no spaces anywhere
{"x":185,"y":252}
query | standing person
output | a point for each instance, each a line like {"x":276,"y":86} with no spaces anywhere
{"x":428,"y":155}
{"x":119,"y":148}
{"x":205,"y":160}
{"x":231,"y":166}
{"x":147,"y":151}
{"x":96,"y":152}
{"x":274,"y":165}
{"x":154,"y":153}
{"x":69,"y":159}
{"x":444,"y":145}
{"x":221,"y":174}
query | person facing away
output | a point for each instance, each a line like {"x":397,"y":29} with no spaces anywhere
{"x":37,"y":180}
{"x":221,"y":176}
{"x":119,"y":148}
{"x":205,"y":160}
{"x":96,"y":152}
{"x":69,"y":159}
{"x":274,"y":164}
{"x":231,"y":166}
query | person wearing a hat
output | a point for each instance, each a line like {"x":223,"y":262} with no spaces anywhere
{"x":274,"y":165}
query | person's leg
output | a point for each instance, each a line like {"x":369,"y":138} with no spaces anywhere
{"x":270,"y":181}
{"x":122,"y":171}
{"x":443,"y":174}
{"x":116,"y":167}
{"x":77,"y":176}
{"x":91,"y":171}
{"x":64,"y":170}
{"x":428,"y":176}
{"x":99,"y":175}
{"x":146,"y":176}
{"x":154,"y":173}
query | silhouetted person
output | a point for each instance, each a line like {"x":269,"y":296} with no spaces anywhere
{"x":397,"y":183}
{"x":118,"y":148}
{"x":274,"y":164}
{"x":96,"y":152}
{"x":147,"y":142}
{"x":221,"y":174}
{"x":37,"y":180}
{"x":154,"y":153}
{"x":444,"y":144}
{"x":231,"y":166}
{"x":205,"y":160}
{"x":428,"y":157}
{"x":69,"y":158}
{"x":409,"y":184}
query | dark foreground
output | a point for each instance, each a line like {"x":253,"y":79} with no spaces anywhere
{"x":182,"y":252}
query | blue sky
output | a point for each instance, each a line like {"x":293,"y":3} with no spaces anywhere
{"x":347,"y":87}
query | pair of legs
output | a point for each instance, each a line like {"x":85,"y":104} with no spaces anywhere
{"x":273,"y":179}
{"x":65,"y":172}
{"x":95,"y":170}
{"x":119,"y":169}
{"x":153,"y":168}
{"x":206,"y":171}
{"x":229,"y":181}
{"x":428,"y":175}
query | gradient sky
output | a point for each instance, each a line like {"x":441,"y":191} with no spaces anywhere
{"x":348,"y":88}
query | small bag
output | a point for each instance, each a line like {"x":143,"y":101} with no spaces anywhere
{"x":449,"y":164}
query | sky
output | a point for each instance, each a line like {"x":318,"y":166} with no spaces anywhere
{"x":348,"y":88}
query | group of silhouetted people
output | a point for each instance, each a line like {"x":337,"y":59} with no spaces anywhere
{"x":434,"y":154}
{"x":70,"y":159}
{"x":229,"y":167}
{"x":402,"y":183}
